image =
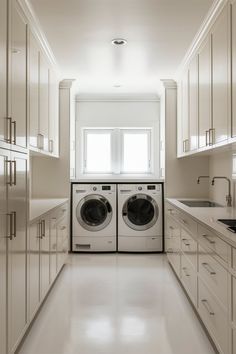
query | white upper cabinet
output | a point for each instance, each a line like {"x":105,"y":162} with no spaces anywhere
{"x":53,"y":112}
{"x":43,"y":102}
{"x":33,"y":90}
{"x":193,"y":104}
{"x":185,"y":111}
{"x":233,"y":16}
{"x":17,"y":70}
{"x":220,"y":35}
{"x":204,"y":98}
{"x":3,"y":71}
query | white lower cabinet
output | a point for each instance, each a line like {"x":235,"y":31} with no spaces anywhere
{"x":47,"y":253}
{"x":214,"y":317}
{"x":207,"y":273}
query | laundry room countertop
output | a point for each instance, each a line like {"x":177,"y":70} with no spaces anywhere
{"x":117,"y":180}
{"x":39,"y":207}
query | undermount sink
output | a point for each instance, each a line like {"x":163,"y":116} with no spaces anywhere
{"x":200,"y":203}
{"x":228,"y":222}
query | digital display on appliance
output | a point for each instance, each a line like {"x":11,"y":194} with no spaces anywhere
{"x":106,"y":188}
{"x":151,"y":187}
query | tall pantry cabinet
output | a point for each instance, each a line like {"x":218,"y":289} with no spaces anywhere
{"x":29,"y":121}
{"x":13,"y":175}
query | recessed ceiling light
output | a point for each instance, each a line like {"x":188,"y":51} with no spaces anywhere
{"x":119,"y":41}
{"x":117,"y":85}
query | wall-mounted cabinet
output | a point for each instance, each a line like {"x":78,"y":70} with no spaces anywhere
{"x":3,"y":71}
{"x":43,"y":101}
{"x":207,"y":96}
{"x":233,"y":42}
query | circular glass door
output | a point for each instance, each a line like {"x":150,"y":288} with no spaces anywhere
{"x":140,"y":212}
{"x":94,"y":212}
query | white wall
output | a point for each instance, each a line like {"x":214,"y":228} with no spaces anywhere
{"x":117,"y":113}
{"x":220,"y":164}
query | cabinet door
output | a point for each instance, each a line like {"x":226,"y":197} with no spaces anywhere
{"x":53,"y":247}
{"x":233,"y":9}
{"x":44,"y":257}
{"x":221,"y":77}
{"x":193,"y":104}
{"x":33,"y":91}
{"x":43,"y":103}
{"x":17,"y":284}
{"x":53,"y":112}
{"x":17,"y":104}
{"x":3,"y":71}
{"x":185,"y":112}
{"x":33,"y":268}
{"x":4,"y":157}
{"x":204,"y":98}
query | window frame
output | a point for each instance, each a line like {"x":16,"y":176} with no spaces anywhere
{"x":116,"y":149}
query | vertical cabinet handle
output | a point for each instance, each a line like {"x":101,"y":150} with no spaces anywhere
{"x":8,"y":130}
{"x":13,"y":163}
{"x":207,"y":138}
{"x":13,"y":123}
{"x":211,"y":136}
{"x":9,"y":172}
{"x":9,"y":226}
{"x":42,"y":228}
{"x":51,"y":146}
{"x":13,"y":223}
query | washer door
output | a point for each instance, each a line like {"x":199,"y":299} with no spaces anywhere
{"x":94,"y":212}
{"x":140,"y":212}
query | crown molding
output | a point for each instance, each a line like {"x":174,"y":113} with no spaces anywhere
{"x":36,"y":29}
{"x":169,"y":83}
{"x":66,"y":83}
{"x":210,"y":18}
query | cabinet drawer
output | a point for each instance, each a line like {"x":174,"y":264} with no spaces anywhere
{"x":189,"y":247}
{"x":189,"y":278}
{"x":171,"y":210}
{"x":213,"y":242}
{"x":215,"y":276}
{"x":214,"y":317}
{"x":188,"y":223}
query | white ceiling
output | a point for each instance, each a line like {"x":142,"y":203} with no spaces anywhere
{"x":158,"y":32}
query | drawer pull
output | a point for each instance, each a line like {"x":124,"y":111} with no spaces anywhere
{"x":208,"y":268}
{"x":207,"y":307}
{"x":184,"y":222}
{"x":171,"y":228}
{"x":208,"y":239}
{"x":63,"y":227}
{"x":186,"y":243}
{"x":185,"y":271}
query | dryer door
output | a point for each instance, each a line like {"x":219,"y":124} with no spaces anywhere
{"x":140,"y":212}
{"x":94,"y":212}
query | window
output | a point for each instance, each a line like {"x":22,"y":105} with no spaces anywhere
{"x":136,"y":151}
{"x":97,"y":151}
{"x":118,"y":151}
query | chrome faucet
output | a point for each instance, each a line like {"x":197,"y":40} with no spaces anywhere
{"x":228,"y":196}
{"x":198,"y":180}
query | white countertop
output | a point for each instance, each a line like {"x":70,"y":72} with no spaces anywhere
{"x":209,"y":217}
{"x":117,"y":180}
{"x":39,"y":207}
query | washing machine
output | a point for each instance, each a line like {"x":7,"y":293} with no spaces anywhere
{"x":140,"y":217}
{"x":94,"y":218}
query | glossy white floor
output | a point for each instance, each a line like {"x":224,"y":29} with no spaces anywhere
{"x":114,"y":304}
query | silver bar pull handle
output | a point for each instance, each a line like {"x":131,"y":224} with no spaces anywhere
{"x":9,"y":172}
{"x":207,"y":307}
{"x":186,"y":271}
{"x":208,"y":268}
{"x":13,"y":123}
{"x":207,"y":138}
{"x":8,"y":130}
{"x":43,"y":228}
{"x":51,"y":146}
{"x":9,"y":226}
{"x":13,"y":164}
{"x":211,"y":136}
{"x":13,"y":223}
